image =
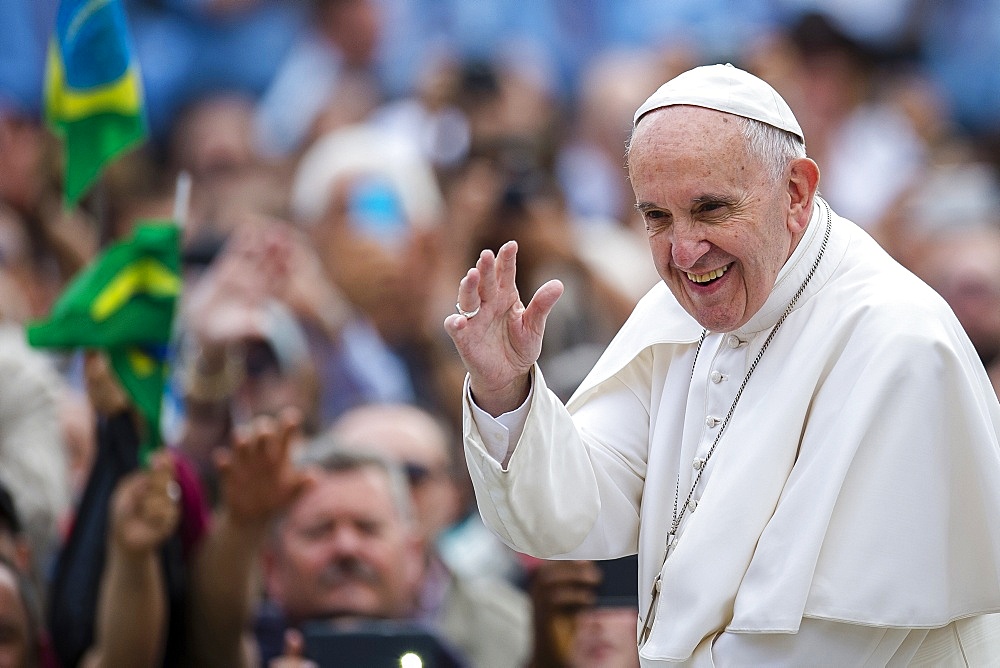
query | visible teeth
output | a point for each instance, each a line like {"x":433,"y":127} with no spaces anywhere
{"x":705,"y":278}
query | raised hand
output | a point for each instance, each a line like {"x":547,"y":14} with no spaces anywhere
{"x":293,"y":656}
{"x":257,"y":473}
{"x":144,"y":507}
{"x":227,"y":304}
{"x":306,"y":286}
{"x":498,"y":337}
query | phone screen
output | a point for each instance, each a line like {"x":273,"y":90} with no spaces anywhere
{"x":619,"y":586}
{"x":375,"y":644}
{"x":375,"y":209}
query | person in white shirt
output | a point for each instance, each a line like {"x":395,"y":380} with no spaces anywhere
{"x":792,"y":431}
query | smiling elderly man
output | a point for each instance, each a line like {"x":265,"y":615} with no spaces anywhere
{"x":792,"y":431}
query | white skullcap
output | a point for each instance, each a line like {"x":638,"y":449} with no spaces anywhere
{"x":358,"y":151}
{"x":728,"y":89}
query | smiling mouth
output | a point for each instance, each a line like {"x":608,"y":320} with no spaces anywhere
{"x":703,"y":279}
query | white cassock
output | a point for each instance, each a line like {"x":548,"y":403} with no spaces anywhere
{"x":850,"y":514}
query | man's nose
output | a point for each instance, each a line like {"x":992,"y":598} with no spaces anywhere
{"x":345,"y":541}
{"x":687,"y":245}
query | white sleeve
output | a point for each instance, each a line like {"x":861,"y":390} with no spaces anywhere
{"x":818,"y":641}
{"x":500,"y":434}
{"x":569,"y":490}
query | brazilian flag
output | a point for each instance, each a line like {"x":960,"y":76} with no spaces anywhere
{"x":93,"y":90}
{"x":123,"y":303}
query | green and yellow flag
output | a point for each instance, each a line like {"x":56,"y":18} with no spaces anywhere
{"x":93,"y":90}
{"x":123,"y":303}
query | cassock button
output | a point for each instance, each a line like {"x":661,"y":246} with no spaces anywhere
{"x":716,"y":377}
{"x":733,"y":341}
{"x":698,"y":463}
{"x":712,"y":421}
{"x":692,"y":505}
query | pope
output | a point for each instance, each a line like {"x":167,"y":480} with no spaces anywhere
{"x":791,"y":430}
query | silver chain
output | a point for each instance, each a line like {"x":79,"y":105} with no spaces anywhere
{"x":679,"y":517}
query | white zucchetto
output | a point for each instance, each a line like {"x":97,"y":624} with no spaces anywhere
{"x":728,"y":89}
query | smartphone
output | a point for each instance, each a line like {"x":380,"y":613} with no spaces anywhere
{"x":376,"y":644}
{"x":375,"y":209}
{"x":619,"y":586}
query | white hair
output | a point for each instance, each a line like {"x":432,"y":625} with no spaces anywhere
{"x":774,"y":147}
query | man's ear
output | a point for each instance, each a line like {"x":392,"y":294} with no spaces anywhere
{"x":803,"y":179}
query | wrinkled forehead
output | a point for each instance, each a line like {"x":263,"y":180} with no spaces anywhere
{"x":686,"y":129}
{"x":361,"y":493}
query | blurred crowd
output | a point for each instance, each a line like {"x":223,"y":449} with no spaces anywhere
{"x":348,"y":160}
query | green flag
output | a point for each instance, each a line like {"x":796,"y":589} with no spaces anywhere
{"x":93,"y":90}
{"x":123,"y":303}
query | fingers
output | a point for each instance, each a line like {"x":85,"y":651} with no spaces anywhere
{"x":469,"y":297}
{"x":568,"y":584}
{"x":486,"y":267}
{"x":468,"y":300}
{"x":541,"y":304}
{"x":103,"y":388}
{"x":257,"y":473}
{"x":489,"y":283}
{"x":506,"y":265}
{"x":290,"y":426}
{"x":497,"y":273}
{"x":146,"y":506}
{"x":294,"y":643}
{"x":265,"y":438}
{"x":256,"y":439}
{"x":293,"y":656}
{"x":160,"y":503}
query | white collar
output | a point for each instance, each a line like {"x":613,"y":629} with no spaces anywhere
{"x":794,"y":272}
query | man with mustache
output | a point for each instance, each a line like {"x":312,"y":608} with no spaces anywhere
{"x":327,"y":536}
{"x":482,"y":615}
{"x":346,"y":548}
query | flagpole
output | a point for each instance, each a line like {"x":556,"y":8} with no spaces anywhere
{"x":182,"y":198}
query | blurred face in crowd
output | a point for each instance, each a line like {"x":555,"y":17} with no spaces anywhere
{"x":605,"y":638}
{"x":720,"y":227}
{"x":970,"y":286}
{"x":267,"y":388}
{"x":15,"y":629}
{"x":410,"y":437}
{"x":343,"y":550}
{"x":215,"y":137}
{"x":354,"y":26}
{"x":22,"y":151}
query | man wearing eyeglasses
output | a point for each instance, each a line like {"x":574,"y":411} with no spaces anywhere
{"x":485,"y":618}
